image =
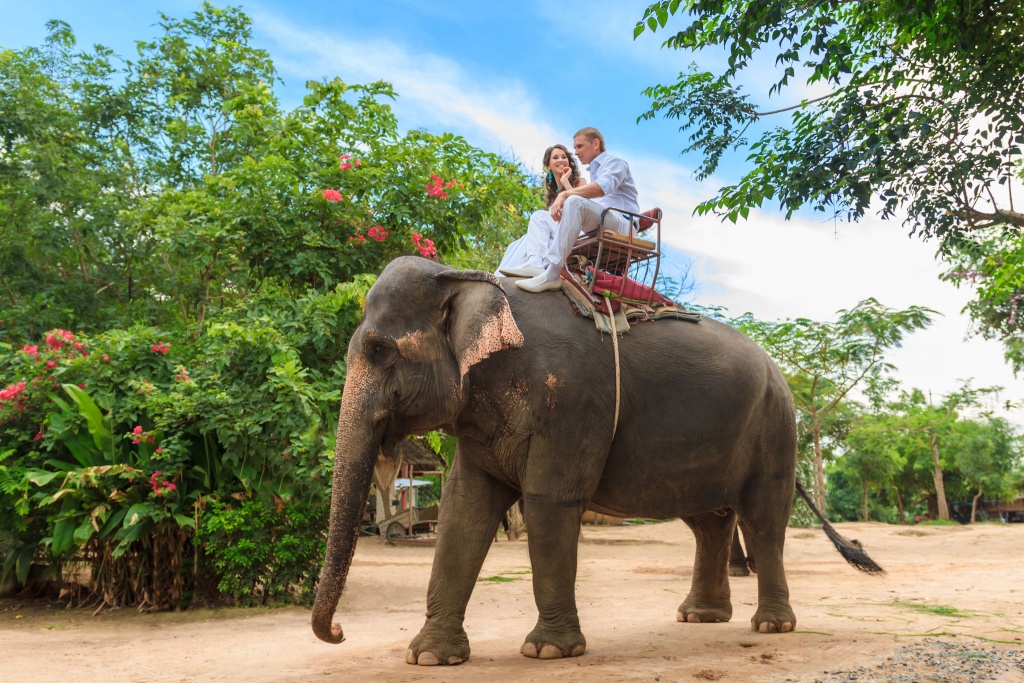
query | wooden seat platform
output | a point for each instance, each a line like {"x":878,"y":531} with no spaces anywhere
{"x":614,"y":252}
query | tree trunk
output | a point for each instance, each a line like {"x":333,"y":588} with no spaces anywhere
{"x":940,"y":488}
{"x":819,"y":467}
{"x":974,"y":504}
{"x":864,"y":503}
{"x":899,"y":506}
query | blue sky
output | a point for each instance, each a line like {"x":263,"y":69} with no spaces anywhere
{"x":517,"y":77}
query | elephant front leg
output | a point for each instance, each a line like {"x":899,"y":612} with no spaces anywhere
{"x":709,"y":599}
{"x":553,"y":532}
{"x":471,"y":508}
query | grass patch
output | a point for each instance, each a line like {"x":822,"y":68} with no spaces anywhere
{"x":940,"y":522}
{"x":913,"y":532}
{"x":500,"y":579}
{"x":938,"y":610}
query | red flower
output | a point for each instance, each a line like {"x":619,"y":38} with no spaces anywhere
{"x":332,"y":195}
{"x":161,"y":348}
{"x":160,"y":450}
{"x":82,"y":387}
{"x":106,"y":358}
{"x":51,"y":363}
{"x":30,"y":350}
{"x":357,"y":238}
{"x":79,"y":345}
{"x":378,"y":233}
{"x":424,"y":245}
{"x":138,"y":435}
{"x":435,"y":187}
{"x":38,"y":436}
{"x":357,"y":163}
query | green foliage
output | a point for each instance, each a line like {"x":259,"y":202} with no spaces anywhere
{"x":211,"y":252}
{"x":919,"y":115}
{"x":261,"y":554}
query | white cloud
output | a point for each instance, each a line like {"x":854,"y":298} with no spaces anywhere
{"x":434,"y":91}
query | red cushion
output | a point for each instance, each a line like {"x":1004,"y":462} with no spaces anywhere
{"x":648,"y":218}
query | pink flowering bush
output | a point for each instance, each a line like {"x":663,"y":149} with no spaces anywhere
{"x":332,"y":195}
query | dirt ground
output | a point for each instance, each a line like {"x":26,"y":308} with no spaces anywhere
{"x":950,"y":608}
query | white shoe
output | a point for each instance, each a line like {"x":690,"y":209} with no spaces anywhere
{"x":522,"y":271}
{"x":539,"y":284}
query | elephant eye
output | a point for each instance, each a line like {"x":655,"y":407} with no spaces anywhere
{"x":378,"y":351}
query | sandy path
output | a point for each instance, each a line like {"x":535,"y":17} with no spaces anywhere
{"x":964,"y":582}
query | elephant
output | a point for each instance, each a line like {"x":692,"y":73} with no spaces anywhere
{"x":700,"y":426}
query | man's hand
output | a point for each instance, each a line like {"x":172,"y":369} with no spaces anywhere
{"x":556,"y":207}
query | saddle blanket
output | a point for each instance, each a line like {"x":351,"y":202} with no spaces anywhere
{"x":619,"y":296}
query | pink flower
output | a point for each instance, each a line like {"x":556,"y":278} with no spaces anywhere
{"x":345,"y":156}
{"x":30,"y":350}
{"x":51,"y":363}
{"x":138,"y":434}
{"x":332,"y":195}
{"x":378,"y":233}
{"x":345,"y":166}
{"x":435,"y":187}
{"x":11,"y":391}
{"x":82,"y":387}
{"x":106,"y":358}
{"x":38,"y":436}
{"x":357,"y":238}
{"x":137,"y":430}
{"x":357,"y":163}
{"x":424,"y":245}
{"x":79,"y":345}
{"x":160,"y":450}
{"x":161,"y":347}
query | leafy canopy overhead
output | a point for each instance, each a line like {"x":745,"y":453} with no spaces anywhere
{"x":920,"y":105}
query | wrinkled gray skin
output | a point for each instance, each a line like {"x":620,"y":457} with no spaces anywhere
{"x":706,"y":433}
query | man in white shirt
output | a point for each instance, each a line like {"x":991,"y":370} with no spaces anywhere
{"x":552,"y":233}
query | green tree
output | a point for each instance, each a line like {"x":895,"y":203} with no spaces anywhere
{"x":185,"y":260}
{"x":915,"y":110}
{"x":986,"y":453}
{"x":824,"y":361}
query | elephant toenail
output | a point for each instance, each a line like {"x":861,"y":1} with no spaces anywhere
{"x":455,"y":659}
{"x":680,"y":616}
{"x":410,"y":656}
{"x":427,"y":659}
{"x":763,"y":628}
{"x":693,"y":618}
{"x":578,"y":650}
{"x":786,"y":627}
{"x":530,"y":650}
{"x":550,"y":652}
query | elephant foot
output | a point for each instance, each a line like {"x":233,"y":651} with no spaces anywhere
{"x":548,"y":644}
{"x":703,"y":611}
{"x":434,"y":646}
{"x":739,"y":569}
{"x":773,"y":619}
{"x":751,"y":565}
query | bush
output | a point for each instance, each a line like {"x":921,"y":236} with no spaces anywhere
{"x":261,"y":554}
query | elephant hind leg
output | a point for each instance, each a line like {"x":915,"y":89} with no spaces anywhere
{"x":709,"y":599}
{"x":764,"y":530}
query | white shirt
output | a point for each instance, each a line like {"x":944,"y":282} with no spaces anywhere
{"x":612,"y":174}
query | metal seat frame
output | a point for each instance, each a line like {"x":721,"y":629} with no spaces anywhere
{"x":614,"y":256}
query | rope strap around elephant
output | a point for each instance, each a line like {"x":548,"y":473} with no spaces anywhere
{"x":615,"y":348}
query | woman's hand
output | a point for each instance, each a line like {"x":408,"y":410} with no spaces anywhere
{"x":564,"y":180}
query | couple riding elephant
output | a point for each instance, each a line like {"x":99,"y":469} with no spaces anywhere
{"x":705,"y":432}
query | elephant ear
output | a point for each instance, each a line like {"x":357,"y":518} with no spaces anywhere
{"x":480,"y":321}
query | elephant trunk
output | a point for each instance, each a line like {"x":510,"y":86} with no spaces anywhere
{"x":358,"y":444}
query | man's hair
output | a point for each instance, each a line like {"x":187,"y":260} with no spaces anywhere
{"x":590,"y":133}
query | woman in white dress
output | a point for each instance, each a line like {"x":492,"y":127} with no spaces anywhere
{"x":562,"y":173}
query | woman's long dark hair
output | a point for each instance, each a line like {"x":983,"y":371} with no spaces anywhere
{"x":550,"y":181}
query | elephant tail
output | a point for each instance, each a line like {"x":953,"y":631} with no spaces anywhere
{"x":851,"y":550}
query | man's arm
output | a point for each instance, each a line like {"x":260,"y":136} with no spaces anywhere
{"x":587,"y":191}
